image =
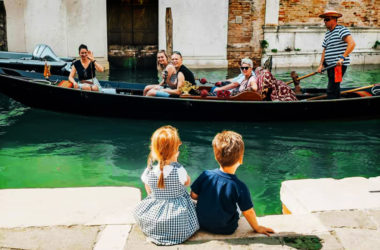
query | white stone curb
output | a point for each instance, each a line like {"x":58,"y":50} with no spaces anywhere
{"x":113,"y":237}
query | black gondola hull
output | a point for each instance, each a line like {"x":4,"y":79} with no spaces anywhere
{"x":50,"y":97}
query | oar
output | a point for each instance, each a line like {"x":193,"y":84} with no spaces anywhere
{"x":311,"y":74}
{"x":343,"y":92}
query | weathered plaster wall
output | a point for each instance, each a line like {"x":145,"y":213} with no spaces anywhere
{"x":199,"y":31}
{"x":299,"y":28}
{"x":62,"y":24}
{"x":15,"y":25}
{"x":308,"y":39}
{"x":87,"y":23}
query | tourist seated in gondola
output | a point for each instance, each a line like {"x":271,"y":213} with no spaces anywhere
{"x":246,"y":82}
{"x":167,"y":70}
{"x":183,"y":74}
{"x":86,"y":67}
{"x":272,"y":89}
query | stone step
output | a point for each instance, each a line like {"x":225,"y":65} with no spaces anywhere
{"x":67,"y":206}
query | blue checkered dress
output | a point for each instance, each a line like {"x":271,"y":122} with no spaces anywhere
{"x":167,"y":216}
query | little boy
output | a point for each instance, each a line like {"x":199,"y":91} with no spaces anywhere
{"x":220,"y":193}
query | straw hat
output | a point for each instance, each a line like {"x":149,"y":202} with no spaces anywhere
{"x":330,"y":13}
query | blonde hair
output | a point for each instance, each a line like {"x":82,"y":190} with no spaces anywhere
{"x":164,"y":144}
{"x":228,"y":148}
{"x":160,"y":67}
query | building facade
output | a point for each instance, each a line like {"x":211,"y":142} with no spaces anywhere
{"x":209,"y":34}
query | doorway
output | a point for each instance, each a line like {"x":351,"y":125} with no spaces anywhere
{"x":132,"y":29}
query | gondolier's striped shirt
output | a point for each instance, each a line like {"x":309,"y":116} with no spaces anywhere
{"x":335,"y":46}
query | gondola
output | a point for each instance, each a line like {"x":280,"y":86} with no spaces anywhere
{"x":120,"y":99}
{"x":36,"y":61}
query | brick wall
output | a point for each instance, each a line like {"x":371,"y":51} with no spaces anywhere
{"x":358,"y":13}
{"x":245,"y":21}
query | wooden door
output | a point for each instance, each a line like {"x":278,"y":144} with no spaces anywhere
{"x":132,"y":22}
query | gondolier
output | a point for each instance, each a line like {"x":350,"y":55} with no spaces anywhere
{"x":337,"y":46}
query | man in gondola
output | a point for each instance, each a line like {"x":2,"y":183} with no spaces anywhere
{"x":337,"y":46}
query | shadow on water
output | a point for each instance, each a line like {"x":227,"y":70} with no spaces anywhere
{"x":47,"y":149}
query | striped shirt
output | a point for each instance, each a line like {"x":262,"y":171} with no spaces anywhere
{"x":335,"y":46}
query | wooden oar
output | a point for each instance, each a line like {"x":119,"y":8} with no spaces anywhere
{"x":343,"y":92}
{"x":311,"y":74}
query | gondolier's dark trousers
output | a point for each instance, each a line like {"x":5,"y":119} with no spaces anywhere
{"x":333,"y":88}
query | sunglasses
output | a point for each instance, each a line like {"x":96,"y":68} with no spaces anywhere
{"x":327,"y":19}
{"x":244,"y":68}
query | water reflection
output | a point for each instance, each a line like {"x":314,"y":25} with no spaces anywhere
{"x":47,"y":149}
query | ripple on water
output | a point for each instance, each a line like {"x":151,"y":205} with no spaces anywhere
{"x":47,"y":149}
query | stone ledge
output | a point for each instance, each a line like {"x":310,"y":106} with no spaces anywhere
{"x":67,"y":206}
{"x":76,"y":237}
{"x":306,"y":224}
{"x":314,"y":195}
{"x":137,"y":240}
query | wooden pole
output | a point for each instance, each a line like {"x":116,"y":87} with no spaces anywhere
{"x":169,"y":31}
{"x":302,"y":77}
{"x":343,"y":92}
{"x":311,"y":74}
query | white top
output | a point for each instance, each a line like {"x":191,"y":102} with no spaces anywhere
{"x":182,"y":174}
{"x":241,"y":77}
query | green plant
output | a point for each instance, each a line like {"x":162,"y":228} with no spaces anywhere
{"x":274,"y":50}
{"x":297,"y":49}
{"x":377,"y":43}
{"x":264,"y":44}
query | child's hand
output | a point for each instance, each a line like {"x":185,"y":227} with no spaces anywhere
{"x":264,"y":230}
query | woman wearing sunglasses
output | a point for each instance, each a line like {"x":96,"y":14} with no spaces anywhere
{"x":240,"y":84}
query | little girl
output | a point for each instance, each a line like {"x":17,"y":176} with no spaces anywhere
{"x":167,"y":216}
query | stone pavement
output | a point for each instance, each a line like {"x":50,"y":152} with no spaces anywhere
{"x":100,"y":218}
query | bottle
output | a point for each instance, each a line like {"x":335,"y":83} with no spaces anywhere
{"x":46,"y":70}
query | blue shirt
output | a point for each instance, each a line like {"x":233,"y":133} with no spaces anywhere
{"x":219,"y":195}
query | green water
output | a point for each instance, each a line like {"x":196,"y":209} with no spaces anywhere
{"x":46,"y":149}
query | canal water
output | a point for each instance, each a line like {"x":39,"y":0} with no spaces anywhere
{"x":47,"y":149}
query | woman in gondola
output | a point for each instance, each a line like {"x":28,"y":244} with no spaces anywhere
{"x":272,"y":89}
{"x":244,"y":82}
{"x":183,"y":74}
{"x":167,"y":71}
{"x":86,"y":67}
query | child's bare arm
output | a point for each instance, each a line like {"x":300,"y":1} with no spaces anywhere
{"x":147,"y":188}
{"x":187,"y":183}
{"x":250,"y":216}
{"x":193,"y":195}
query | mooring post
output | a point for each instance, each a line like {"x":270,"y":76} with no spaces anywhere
{"x":169,"y":31}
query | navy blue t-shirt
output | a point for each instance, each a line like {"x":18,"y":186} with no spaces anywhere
{"x":219,"y":194}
